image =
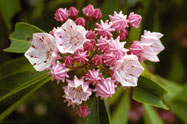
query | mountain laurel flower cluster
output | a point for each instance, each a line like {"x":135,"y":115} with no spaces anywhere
{"x":91,"y":57}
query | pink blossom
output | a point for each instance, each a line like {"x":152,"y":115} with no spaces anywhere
{"x":109,"y":59}
{"x":40,"y":54}
{"x":97,"y":14}
{"x":123,"y":34}
{"x":117,"y":48}
{"x":80,"y":21}
{"x":103,"y":44}
{"x":104,"y":29}
{"x":134,"y":20}
{"x":55,"y":56}
{"x":53,"y":31}
{"x":97,"y":60}
{"x":76,"y":91}
{"x":119,"y":21}
{"x":93,"y":76}
{"x":61,"y":15}
{"x":105,"y":88}
{"x":89,"y":45}
{"x":88,"y":11}
{"x":68,"y":60}
{"x":90,"y":35}
{"x":127,"y":70}
{"x":59,"y":72}
{"x":80,"y":56}
{"x":83,"y":111}
{"x":73,"y":12}
{"x":152,"y":45}
{"x":136,"y":48}
{"x":70,"y":37}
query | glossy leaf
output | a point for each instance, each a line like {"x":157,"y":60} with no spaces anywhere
{"x":16,"y":87}
{"x":149,"y":92}
{"x":177,"y":106}
{"x":21,"y":38}
{"x":150,"y":116}
{"x":99,"y":113}
{"x":121,"y":113}
{"x":14,"y":66}
{"x":182,"y":95}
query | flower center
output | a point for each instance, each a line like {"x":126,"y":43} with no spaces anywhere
{"x":74,"y":40}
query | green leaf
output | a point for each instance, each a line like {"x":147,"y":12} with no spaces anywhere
{"x":116,"y":96}
{"x":16,"y":87}
{"x":14,"y":66}
{"x":8,"y":9}
{"x":99,"y":113}
{"x":21,"y":38}
{"x":121,"y":113}
{"x":150,"y":92}
{"x":182,"y":95}
{"x":178,"y":106}
{"x":150,"y":116}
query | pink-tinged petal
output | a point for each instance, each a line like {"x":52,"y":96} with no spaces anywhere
{"x":119,"y":21}
{"x":134,"y":20}
{"x":83,"y":111}
{"x":127,"y":70}
{"x":93,"y":76}
{"x":61,"y":14}
{"x":88,"y":11}
{"x":97,"y":60}
{"x":105,"y":88}
{"x":59,"y":72}
{"x":70,"y":37}
{"x":41,"y":50}
{"x":76,"y":91}
{"x":104,"y":29}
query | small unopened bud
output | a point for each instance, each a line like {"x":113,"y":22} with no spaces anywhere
{"x":73,"y":12}
{"x":88,"y":11}
{"x":80,"y":21}
{"x":97,"y":14}
{"x":61,"y":15}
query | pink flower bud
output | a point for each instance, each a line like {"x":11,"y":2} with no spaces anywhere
{"x":97,"y":60}
{"x":109,"y":59}
{"x":105,"y":88}
{"x":93,"y":76}
{"x":68,"y":60}
{"x":134,"y":20}
{"x":80,"y":56}
{"x":73,"y":12}
{"x":123,"y":34}
{"x":59,"y":72}
{"x":97,"y":14}
{"x":83,"y":111}
{"x":61,"y":15}
{"x":136,"y":48}
{"x":88,"y":11}
{"x":80,"y":21}
{"x":89,"y":45}
{"x":90,"y":35}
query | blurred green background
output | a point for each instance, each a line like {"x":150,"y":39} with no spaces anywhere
{"x":165,"y":16}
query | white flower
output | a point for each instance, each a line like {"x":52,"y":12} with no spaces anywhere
{"x":127,"y":70}
{"x":152,"y":45}
{"x":76,"y":91}
{"x":70,"y":37}
{"x":41,"y":50}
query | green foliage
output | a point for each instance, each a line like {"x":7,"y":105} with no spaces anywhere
{"x":149,"y":92}
{"x":21,"y":64}
{"x":150,"y":116}
{"x":8,"y":9}
{"x":21,"y":38}
{"x":116,"y":96}
{"x":15,"y":88}
{"x":99,"y":113}
{"x":121,"y":112}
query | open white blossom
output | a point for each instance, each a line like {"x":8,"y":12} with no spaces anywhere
{"x":41,"y":50}
{"x":70,"y":37}
{"x":152,"y":45}
{"x":127,"y":70}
